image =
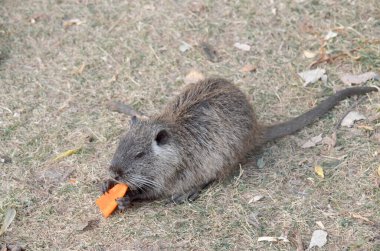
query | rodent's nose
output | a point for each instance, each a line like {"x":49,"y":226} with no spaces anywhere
{"x":115,"y":172}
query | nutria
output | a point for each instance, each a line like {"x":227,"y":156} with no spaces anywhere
{"x":200,"y":136}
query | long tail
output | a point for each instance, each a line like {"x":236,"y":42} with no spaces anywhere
{"x":286,"y":128}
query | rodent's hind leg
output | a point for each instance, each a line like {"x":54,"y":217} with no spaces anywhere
{"x":190,"y":196}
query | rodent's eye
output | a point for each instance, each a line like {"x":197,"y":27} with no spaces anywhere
{"x":139,"y":155}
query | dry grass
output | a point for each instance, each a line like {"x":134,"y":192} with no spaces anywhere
{"x":130,"y":53}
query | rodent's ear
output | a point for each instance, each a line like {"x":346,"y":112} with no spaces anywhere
{"x":134,"y":120}
{"x":162,"y":137}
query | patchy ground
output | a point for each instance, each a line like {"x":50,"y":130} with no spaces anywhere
{"x":56,"y":78}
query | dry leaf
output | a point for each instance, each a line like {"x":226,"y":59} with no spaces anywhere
{"x":37,"y":17}
{"x":309,"y":54}
{"x":184,"y":47}
{"x":149,"y":7}
{"x":318,"y":238}
{"x":358,"y":216}
{"x":114,"y":78}
{"x":313,"y":141}
{"x":193,"y":77}
{"x":71,"y":22}
{"x":351,"y":117}
{"x":9,"y":217}
{"x":267,"y":238}
{"x":258,"y":197}
{"x":248,"y":68}
{"x":330,"y":35}
{"x":79,"y":70}
{"x":378,"y":170}
{"x":312,"y":76}
{"x":73,"y":181}
{"x":320,"y":224}
{"x":329,"y":57}
{"x":243,"y":47}
{"x":330,"y":141}
{"x":273,"y":239}
{"x":350,"y":79}
{"x":319,"y":170}
{"x":66,"y":154}
{"x":366,"y":127}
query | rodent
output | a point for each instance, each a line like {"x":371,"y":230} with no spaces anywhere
{"x":200,"y":136}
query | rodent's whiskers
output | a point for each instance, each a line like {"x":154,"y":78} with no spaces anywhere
{"x":141,"y":182}
{"x":132,"y":182}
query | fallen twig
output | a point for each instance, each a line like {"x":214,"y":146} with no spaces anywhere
{"x":124,"y":108}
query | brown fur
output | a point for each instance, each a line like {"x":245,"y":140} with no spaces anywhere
{"x":200,"y":136}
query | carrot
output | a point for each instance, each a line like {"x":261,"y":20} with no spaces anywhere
{"x":107,"y":202}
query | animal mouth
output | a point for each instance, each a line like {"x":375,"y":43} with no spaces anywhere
{"x":130,"y":185}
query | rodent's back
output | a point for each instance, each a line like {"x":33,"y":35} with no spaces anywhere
{"x":214,"y":127}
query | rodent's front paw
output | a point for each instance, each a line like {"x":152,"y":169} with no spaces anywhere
{"x":123,"y":203}
{"x":107,"y":185}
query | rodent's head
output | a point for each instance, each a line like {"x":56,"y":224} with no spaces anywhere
{"x":146,"y":155}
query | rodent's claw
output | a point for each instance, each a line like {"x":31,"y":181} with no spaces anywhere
{"x":124,"y":203}
{"x":107,"y":185}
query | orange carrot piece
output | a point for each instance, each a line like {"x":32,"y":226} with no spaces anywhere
{"x":107,"y":202}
